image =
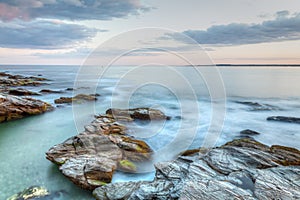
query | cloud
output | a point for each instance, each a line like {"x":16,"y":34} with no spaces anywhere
{"x":44,"y":34}
{"x":283,"y":28}
{"x":69,"y":9}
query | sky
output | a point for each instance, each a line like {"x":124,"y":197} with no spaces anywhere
{"x":74,"y":32}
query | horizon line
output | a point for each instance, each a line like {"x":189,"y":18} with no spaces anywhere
{"x":218,"y":65}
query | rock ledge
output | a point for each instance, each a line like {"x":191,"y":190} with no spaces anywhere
{"x":241,"y":169}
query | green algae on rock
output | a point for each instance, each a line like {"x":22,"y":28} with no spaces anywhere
{"x":127,"y":165}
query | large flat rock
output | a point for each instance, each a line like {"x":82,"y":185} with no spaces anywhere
{"x":13,"y":107}
{"x":241,"y":169}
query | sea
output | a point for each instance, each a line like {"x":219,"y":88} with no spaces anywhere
{"x":208,"y":106}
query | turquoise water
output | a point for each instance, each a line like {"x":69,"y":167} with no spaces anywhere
{"x":23,"y":143}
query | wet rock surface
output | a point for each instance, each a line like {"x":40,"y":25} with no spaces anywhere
{"x":295,"y":120}
{"x":13,"y":107}
{"x":138,"y":114}
{"x":48,"y":91}
{"x":77,"y":99}
{"x":254,"y":106}
{"x":90,"y":158}
{"x":21,"y":92}
{"x":241,"y":169}
{"x":37,"y":193}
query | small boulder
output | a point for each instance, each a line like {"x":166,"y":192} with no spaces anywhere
{"x":249,"y":132}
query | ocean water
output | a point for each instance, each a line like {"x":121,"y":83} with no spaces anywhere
{"x":203,"y":104}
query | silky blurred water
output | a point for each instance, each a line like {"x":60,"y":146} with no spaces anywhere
{"x":23,"y":143}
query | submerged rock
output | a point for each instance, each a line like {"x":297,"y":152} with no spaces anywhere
{"x":254,"y":106}
{"x":241,"y":169}
{"x":12,"y":107}
{"x":90,"y":158}
{"x":38,"y":193}
{"x":284,"y":119}
{"x":77,"y":99}
{"x":34,"y":192}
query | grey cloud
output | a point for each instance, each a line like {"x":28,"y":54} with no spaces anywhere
{"x":282,"y":14}
{"x":69,"y":9}
{"x":42,"y":34}
{"x":283,"y":28}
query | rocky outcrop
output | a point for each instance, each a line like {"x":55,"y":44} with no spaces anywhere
{"x":90,"y":158}
{"x":77,"y":99}
{"x":284,"y":119}
{"x":138,"y":113}
{"x":8,"y":80}
{"x":241,"y":169}
{"x":12,"y":107}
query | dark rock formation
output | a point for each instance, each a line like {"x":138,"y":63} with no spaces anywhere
{"x":77,"y":99}
{"x":69,"y":89}
{"x":22,"y":92}
{"x":284,"y":119}
{"x":241,"y":169}
{"x":12,"y":107}
{"x":47,"y":91}
{"x":254,"y":106}
{"x":34,"y":192}
{"x":249,"y":132}
{"x":138,"y":113}
{"x":90,"y":158}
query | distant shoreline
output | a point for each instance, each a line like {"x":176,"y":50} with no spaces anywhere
{"x":218,"y":65}
{"x":258,"y":65}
